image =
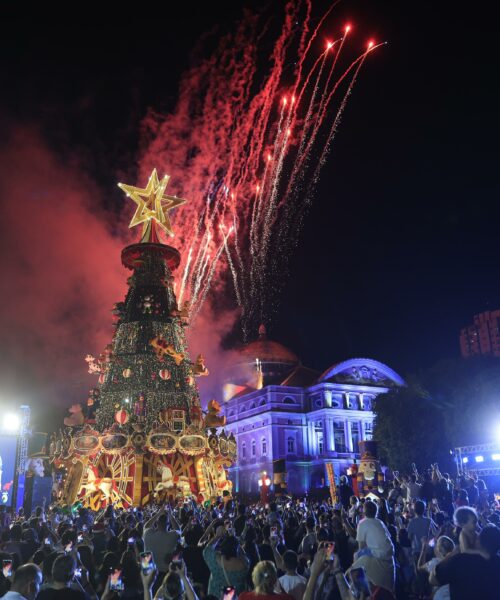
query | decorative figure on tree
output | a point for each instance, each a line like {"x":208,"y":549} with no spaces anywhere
{"x":163,"y":348}
{"x":200,"y":370}
{"x":76,"y":417}
{"x":213,"y":419}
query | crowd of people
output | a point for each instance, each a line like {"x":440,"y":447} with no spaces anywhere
{"x":424,"y":536}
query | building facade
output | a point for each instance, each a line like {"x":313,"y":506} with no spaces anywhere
{"x":307,"y":419}
{"x":483,"y":336}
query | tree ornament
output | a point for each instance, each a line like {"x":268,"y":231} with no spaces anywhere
{"x":102,"y":378}
{"x":127,"y":373}
{"x":121,"y":416}
{"x":190,"y":380}
{"x":165,"y":374}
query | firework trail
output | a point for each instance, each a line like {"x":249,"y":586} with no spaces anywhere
{"x":242,"y":154}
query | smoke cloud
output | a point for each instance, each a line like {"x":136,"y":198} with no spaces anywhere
{"x":61,"y":273}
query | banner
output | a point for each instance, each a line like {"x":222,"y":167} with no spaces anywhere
{"x":331,"y":479}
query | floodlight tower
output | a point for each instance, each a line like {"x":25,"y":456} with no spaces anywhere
{"x":21,"y":457}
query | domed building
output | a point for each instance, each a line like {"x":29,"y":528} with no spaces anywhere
{"x":279,"y":409}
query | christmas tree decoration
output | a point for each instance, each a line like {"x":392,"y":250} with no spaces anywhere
{"x":165,"y":374}
{"x":121,"y":417}
{"x":143,"y":437}
{"x":200,"y":370}
{"x":163,"y":348}
{"x":152,"y":204}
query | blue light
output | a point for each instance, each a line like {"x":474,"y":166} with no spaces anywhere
{"x":479,"y":458}
{"x":465,"y":460}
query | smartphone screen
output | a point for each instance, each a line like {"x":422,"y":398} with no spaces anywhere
{"x":176,"y":564}
{"x":78,"y":573}
{"x":360,"y":582}
{"x":228,"y":593}
{"x":131,"y":540}
{"x":147,"y":562}
{"x":330,"y":548}
{"x":79,"y":539}
{"x":115,"y":581}
{"x":68,"y":547}
{"x":84,"y":527}
{"x":7,"y":568}
{"x":47,"y":541}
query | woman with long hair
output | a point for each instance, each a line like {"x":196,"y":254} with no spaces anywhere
{"x":265,"y":580}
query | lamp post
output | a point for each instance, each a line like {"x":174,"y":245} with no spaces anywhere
{"x":264,"y":483}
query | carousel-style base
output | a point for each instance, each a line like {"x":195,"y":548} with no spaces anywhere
{"x":131,"y":479}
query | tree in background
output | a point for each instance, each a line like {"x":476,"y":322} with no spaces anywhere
{"x":409,"y":427}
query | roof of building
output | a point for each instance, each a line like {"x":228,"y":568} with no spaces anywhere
{"x":362,"y":371}
{"x":301,"y":377}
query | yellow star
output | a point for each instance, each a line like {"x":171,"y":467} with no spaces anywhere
{"x":152,"y":205}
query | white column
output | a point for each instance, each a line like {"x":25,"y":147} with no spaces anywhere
{"x":348,"y":438}
{"x":330,"y":441}
{"x":328,"y":398}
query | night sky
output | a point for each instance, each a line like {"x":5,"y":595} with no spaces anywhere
{"x":400,"y":247}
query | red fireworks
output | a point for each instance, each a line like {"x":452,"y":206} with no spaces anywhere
{"x":245,"y":146}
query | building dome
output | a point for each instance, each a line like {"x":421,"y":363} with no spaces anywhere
{"x":257,"y":364}
{"x":267,"y":351}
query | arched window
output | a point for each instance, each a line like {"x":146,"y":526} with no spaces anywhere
{"x":231,"y":413}
{"x":252,"y":405}
{"x":262,"y":402}
{"x":253,"y":448}
{"x":243,"y":450}
{"x":264,"y":446}
{"x":288,"y":400}
{"x":243,"y":409}
{"x":290,"y":445}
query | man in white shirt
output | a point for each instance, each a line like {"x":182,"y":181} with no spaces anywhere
{"x":292,"y":583}
{"x":376,"y":552}
{"x":26,"y":583}
{"x":414,"y":488}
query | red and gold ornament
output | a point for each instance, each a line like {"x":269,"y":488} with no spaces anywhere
{"x":127,"y":373}
{"x":121,"y":416}
{"x":165,"y":374}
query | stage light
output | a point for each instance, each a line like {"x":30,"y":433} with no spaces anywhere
{"x":479,"y":458}
{"x":11,"y":422}
{"x":495,"y":457}
{"x":465,"y":460}
{"x":497,"y":432}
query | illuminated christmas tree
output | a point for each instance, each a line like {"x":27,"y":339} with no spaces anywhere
{"x":143,"y":434}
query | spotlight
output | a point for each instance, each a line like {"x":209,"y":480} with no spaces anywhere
{"x":495,"y":457}
{"x":465,"y":460}
{"x":11,"y":422}
{"x":479,"y":458}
